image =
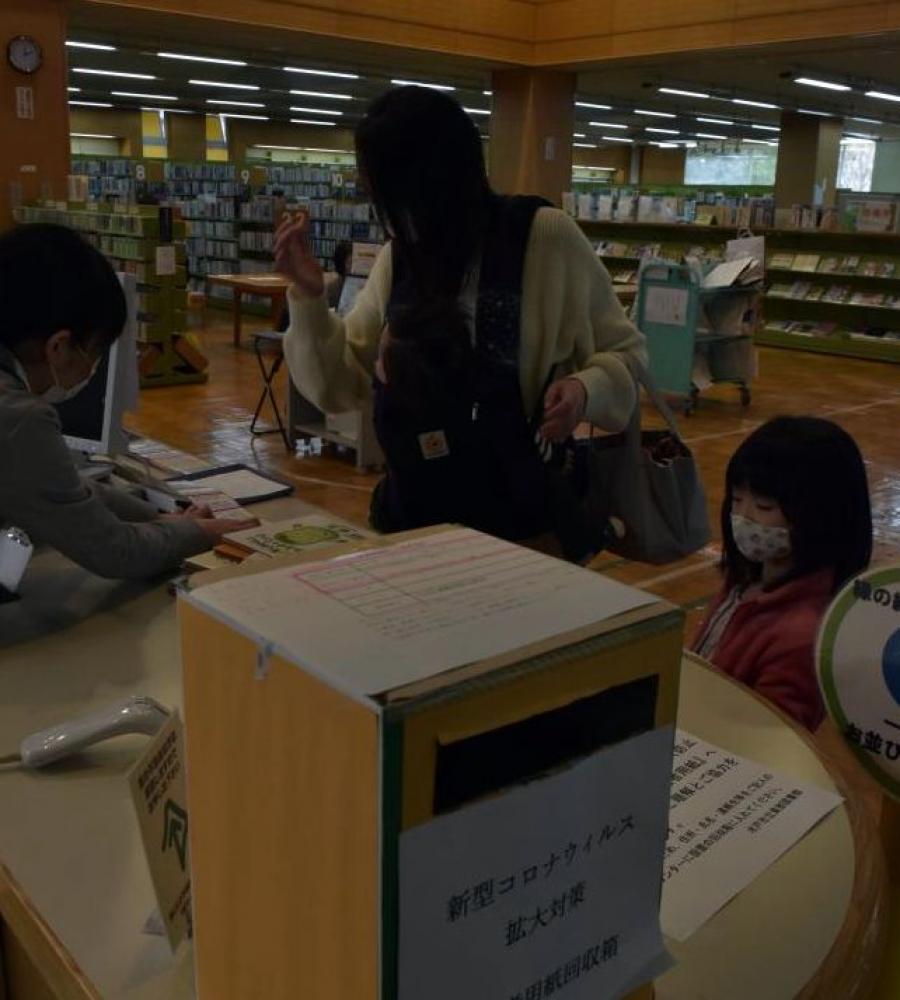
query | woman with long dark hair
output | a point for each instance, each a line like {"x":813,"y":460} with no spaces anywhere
{"x":485,"y":320}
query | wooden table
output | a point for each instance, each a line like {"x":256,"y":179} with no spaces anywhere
{"x":273,"y":286}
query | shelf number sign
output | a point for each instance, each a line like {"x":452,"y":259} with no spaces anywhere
{"x":140,"y":172}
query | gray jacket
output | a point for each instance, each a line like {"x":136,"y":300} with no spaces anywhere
{"x":106,"y":531}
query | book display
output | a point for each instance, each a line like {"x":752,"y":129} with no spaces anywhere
{"x":829,"y":291}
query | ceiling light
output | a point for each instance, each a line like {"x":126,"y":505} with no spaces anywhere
{"x":145,"y":97}
{"x":754,"y":104}
{"x":476,"y":111}
{"x":654,"y":114}
{"x":760,"y":142}
{"x":310,"y":121}
{"x":90,"y":45}
{"x":716,"y":121}
{"x":596,"y":107}
{"x":304,"y":149}
{"x":809,"y":81}
{"x":665,"y":145}
{"x":232,"y":114}
{"x":817,"y":114}
{"x":860,"y":135}
{"x":91,"y":135}
{"x":882,"y":96}
{"x":421,"y":83}
{"x":867,"y":121}
{"x":321,"y":93}
{"x":172,"y":111}
{"x":766,"y":128}
{"x":488,"y":93}
{"x":236,"y":104}
{"x":579,"y":135}
{"x":92,"y":104}
{"x":318,"y":111}
{"x":113,"y":72}
{"x":77,"y":90}
{"x":321,"y":72}
{"x":683,"y":93}
{"x":585,"y":145}
{"x":666,"y":131}
{"x":607,"y":125}
{"x":615,"y":138}
{"x":709,"y":135}
{"x":203,"y":59}
{"x":222,"y":83}
{"x":587,"y":166}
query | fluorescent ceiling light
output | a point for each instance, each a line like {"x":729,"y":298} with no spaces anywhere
{"x":667,"y":131}
{"x":809,"y":81}
{"x":77,"y":90}
{"x":310,"y":121}
{"x":615,"y":138}
{"x":321,"y":93}
{"x":817,"y":114}
{"x":596,"y":107}
{"x":145,"y":97}
{"x":488,"y":93}
{"x":654,"y":114}
{"x":579,"y":135}
{"x":172,"y":111}
{"x":202,"y":59}
{"x":754,"y":104}
{"x":222,"y":83}
{"x":709,"y":135}
{"x":760,"y":142}
{"x":91,"y":135}
{"x":584,"y":145}
{"x":476,"y":111}
{"x":321,"y":72}
{"x":302,"y":149}
{"x":607,"y":125}
{"x":232,"y":114}
{"x":882,"y":96}
{"x":687,"y":143}
{"x":867,"y":121}
{"x":236,"y":104}
{"x":860,"y":135}
{"x":683,"y":93}
{"x":766,"y":128}
{"x":716,"y":121}
{"x":113,"y":72}
{"x":92,"y":104}
{"x":421,"y":83}
{"x":665,"y":145}
{"x":318,"y":111}
{"x":90,"y":45}
{"x":586,"y":166}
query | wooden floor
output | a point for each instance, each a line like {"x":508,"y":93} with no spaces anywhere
{"x":212,"y":421}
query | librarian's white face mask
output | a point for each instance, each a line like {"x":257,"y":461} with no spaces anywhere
{"x":58,"y":393}
{"x":758,"y":542}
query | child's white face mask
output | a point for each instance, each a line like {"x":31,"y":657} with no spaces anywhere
{"x":760,"y":543}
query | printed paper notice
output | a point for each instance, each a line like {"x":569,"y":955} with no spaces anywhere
{"x":667,"y":306}
{"x":550,"y":889}
{"x":165,"y":260}
{"x":378,"y":619}
{"x":160,"y":800}
{"x":730,"y":819}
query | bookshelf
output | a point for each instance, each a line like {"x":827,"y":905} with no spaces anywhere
{"x":803,"y":309}
{"x":146,"y":241}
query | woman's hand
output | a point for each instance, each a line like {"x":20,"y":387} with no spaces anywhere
{"x":564,"y":407}
{"x":294,"y":257}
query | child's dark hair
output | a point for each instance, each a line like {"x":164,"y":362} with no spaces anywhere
{"x":426,"y":350}
{"x":51,"y":279}
{"x":343,"y":254}
{"x":814,"y":470}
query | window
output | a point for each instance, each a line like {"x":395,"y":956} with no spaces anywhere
{"x":856,"y":164}
{"x":731,"y":165}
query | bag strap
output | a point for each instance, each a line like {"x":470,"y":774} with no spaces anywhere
{"x":642,"y":378}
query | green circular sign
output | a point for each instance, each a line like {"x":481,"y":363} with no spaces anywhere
{"x":858,"y":663}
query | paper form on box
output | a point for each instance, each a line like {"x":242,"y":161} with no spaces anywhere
{"x":381,"y":618}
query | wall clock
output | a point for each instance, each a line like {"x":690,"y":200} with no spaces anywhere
{"x":24,"y":54}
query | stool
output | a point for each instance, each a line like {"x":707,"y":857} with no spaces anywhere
{"x":274,"y":340}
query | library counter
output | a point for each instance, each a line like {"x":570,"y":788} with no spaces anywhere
{"x":75,"y":892}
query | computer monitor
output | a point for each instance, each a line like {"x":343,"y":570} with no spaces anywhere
{"x":92,"y":421}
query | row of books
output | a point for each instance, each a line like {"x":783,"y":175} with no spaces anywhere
{"x":199,"y":267}
{"x":217,"y":230}
{"x":701,"y":208}
{"x":809,"y":292}
{"x":221,"y":209}
{"x":200,"y":171}
{"x":220,"y":249}
{"x":259,"y":241}
{"x":305,"y":174}
{"x":807,"y":328}
{"x":848,"y":264}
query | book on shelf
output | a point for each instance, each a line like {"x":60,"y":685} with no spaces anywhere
{"x":780,"y":325}
{"x":781,"y":261}
{"x":803,"y":328}
{"x":815,"y":293}
{"x":800,"y":289}
{"x":867,"y":299}
{"x":806,"y":262}
{"x":849,"y":264}
{"x":869,"y":268}
{"x":780,"y":290}
{"x":887,"y":268}
{"x":829,"y":265}
{"x":825,"y":328}
{"x":837,"y":293}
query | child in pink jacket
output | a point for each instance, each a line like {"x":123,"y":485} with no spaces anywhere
{"x":796,"y":525}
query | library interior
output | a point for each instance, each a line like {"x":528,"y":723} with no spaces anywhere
{"x":419,"y":430}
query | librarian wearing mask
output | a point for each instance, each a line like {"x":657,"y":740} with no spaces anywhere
{"x":61,"y":307}
{"x":486,"y":331}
